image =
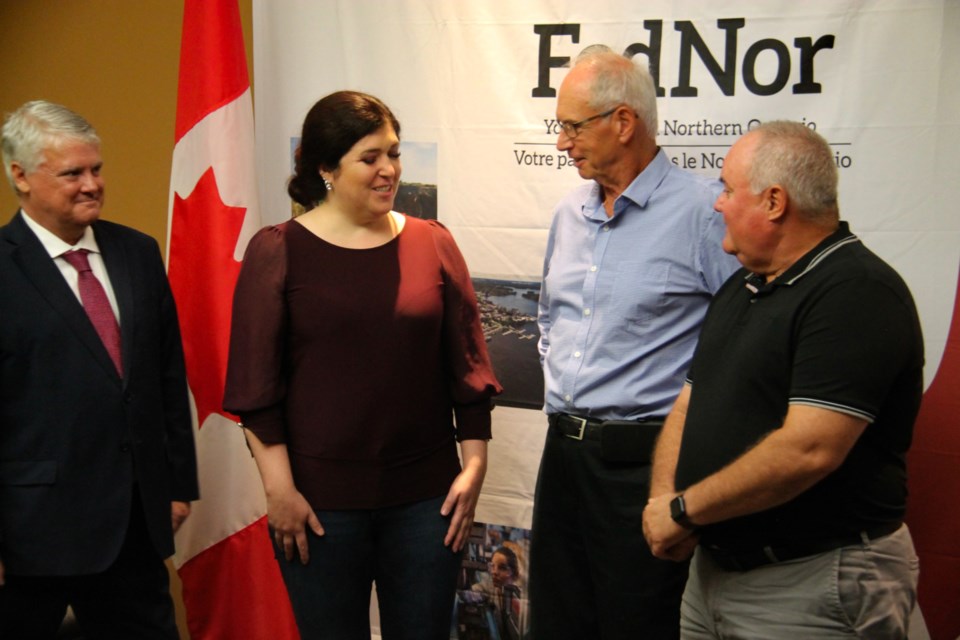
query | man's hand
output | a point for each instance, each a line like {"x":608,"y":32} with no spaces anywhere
{"x":667,"y":539}
{"x":178,"y":513}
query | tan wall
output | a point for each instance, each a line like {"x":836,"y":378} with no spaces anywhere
{"x":116,"y":63}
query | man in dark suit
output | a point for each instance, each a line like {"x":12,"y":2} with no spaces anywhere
{"x":97,"y":461}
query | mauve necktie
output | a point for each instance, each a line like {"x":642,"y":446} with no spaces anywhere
{"x":96,"y":304}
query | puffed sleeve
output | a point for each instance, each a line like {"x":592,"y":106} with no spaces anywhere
{"x":256,"y":385}
{"x":473,"y":383}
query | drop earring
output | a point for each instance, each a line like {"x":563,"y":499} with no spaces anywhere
{"x":328,"y":184}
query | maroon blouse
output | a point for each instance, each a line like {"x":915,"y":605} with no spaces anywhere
{"x":358,"y":360}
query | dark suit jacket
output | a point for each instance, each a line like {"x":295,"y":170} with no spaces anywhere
{"x":75,"y":440}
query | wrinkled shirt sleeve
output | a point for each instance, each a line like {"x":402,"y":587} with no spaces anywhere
{"x":473,"y":383}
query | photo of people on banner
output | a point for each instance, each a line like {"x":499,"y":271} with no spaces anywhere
{"x":491,"y":601}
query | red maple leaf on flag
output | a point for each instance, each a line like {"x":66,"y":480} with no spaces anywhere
{"x":203,"y":274}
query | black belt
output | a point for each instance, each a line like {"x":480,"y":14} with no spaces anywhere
{"x":581,"y":428}
{"x":575,"y":427}
{"x":747,"y":560}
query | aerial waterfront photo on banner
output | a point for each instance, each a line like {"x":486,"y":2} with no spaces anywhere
{"x":508,"y":310}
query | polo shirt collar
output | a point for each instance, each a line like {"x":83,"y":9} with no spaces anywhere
{"x":639,"y":191}
{"x":810,"y":260}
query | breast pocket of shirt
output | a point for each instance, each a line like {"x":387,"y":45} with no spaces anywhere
{"x":639,"y":294}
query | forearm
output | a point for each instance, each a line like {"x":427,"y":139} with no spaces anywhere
{"x":667,"y":451}
{"x":788,"y":461}
{"x":811,"y":444}
{"x":762,"y":479}
{"x":273,"y":462}
{"x":474,"y":455}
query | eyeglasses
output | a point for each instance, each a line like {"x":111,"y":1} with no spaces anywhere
{"x":572,"y":129}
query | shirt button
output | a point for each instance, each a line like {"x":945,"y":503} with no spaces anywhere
{"x":606,"y":227}
{"x":593,"y":268}
{"x":586,"y":312}
{"x":568,"y":397}
{"x":576,"y":354}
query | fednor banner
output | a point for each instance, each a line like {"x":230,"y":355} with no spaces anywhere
{"x":474,"y":87}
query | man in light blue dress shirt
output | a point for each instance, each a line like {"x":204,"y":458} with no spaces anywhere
{"x":632,"y":261}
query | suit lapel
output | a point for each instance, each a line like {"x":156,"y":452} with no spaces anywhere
{"x":37,"y":267}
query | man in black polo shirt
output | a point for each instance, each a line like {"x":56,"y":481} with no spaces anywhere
{"x":782,"y":464}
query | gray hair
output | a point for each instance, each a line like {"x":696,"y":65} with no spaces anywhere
{"x":619,"y":80}
{"x":796,"y":157}
{"x":37,"y":125}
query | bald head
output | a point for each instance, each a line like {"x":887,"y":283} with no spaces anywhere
{"x":611,"y":79}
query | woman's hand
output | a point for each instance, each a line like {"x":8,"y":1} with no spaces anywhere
{"x":464,"y":492}
{"x":289,"y":515}
{"x":288,"y":512}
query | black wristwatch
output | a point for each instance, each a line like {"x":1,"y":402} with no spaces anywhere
{"x":678,"y":511}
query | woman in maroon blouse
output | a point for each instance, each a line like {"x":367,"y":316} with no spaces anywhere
{"x":356,"y":341}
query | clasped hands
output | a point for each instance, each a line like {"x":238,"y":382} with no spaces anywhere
{"x":667,"y":539}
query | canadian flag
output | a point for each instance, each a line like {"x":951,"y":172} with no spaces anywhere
{"x":231,"y":584}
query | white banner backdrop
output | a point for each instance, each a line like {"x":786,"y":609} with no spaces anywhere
{"x":473,"y":85}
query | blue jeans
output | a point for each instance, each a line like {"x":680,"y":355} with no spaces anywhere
{"x":400,"y":549}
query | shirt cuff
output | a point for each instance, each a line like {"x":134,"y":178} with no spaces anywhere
{"x":266,"y":424}
{"x":473,"y":420}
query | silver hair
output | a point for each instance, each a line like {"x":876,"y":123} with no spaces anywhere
{"x":621,"y":81}
{"x":796,"y":157}
{"x":37,"y":125}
